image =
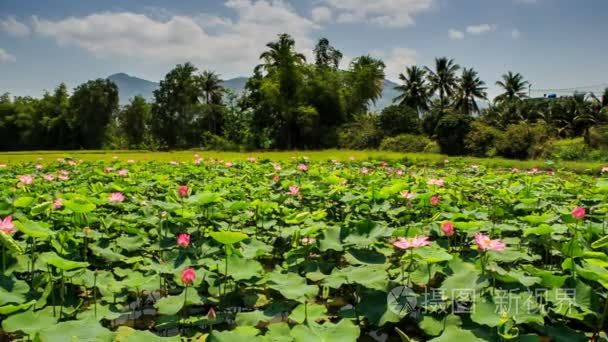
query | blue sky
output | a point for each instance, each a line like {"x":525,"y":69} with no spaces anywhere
{"x":553,"y":43}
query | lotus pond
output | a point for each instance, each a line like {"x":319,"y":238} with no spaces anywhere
{"x":256,"y":250}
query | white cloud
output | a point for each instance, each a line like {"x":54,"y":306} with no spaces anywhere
{"x":321,"y":14}
{"x":14,"y":27}
{"x":6,"y":57}
{"x":480,"y":29}
{"x":232,"y":46}
{"x":515,"y":34}
{"x":387,"y":13}
{"x":455,"y":34}
{"x":396,"y":60}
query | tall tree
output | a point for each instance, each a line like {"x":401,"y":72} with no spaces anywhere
{"x":212,"y":90}
{"x":514,"y":87}
{"x":283,"y":82}
{"x":134,"y":120}
{"x":443,"y":79}
{"x":365,"y":78}
{"x":414,"y":90}
{"x":93,"y":105}
{"x":470,"y":87}
{"x":173,"y":111}
{"x":326,"y":55}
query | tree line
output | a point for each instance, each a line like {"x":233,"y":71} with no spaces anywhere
{"x":290,"y":102}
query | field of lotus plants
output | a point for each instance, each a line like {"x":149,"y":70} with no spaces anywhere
{"x":256,"y":250}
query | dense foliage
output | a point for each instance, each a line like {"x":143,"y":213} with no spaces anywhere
{"x":290,"y":102}
{"x":258,"y":251}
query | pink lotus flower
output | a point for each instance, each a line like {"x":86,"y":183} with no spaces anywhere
{"x":63,"y":177}
{"x":182,"y":191}
{"x":533,"y":171}
{"x":604,"y":169}
{"x":251,"y":159}
{"x":445,"y":161}
{"x":58,"y":203}
{"x":229,"y":164}
{"x":61,"y":160}
{"x":294,"y":190}
{"x":434,"y":200}
{"x":26,"y":179}
{"x":579,"y":213}
{"x":71,"y":163}
{"x":39,"y":166}
{"x":406,"y":243}
{"x":399,"y":173}
{"x":408,"y":195}
{"x":364,"y":170}
{"x":108,"y":169}
{"x":276,"y":178}
{"x":64,"y":172}
{"x":447,"y":228}
{"x":183,"y":240}
{"x":515,"y":170}
{"x":303,"y":167}
{"x":116,"y":197}
{"x":277,"y":167}
{"x":48,"y":178}
{"x":484,"y":243}
{"x":188,"y":276}
{"x":123,"y":172}
{"x":436,"y":181}
{"x":198,"y":161}
{"x":7,"y":226}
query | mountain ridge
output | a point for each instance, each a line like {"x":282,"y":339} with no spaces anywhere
{"x":130,"y":86}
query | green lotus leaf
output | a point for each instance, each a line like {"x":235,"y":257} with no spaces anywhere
{"x":53,"y":259}
{"x":127,"y":334}
{"x":37,"y":230}
{"x":30,"y":322}
{"x":228,"y":237}
{"x":343,"y":331}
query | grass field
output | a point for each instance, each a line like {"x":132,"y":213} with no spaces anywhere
{"x":183,"y":156}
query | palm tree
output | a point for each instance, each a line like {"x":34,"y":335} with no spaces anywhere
{"x":282,"y":63}
{"x":366,"y":77}
{"x":211,"y":87}
{"x":469,"y":88}
{"x":327,"y":55}
{"x":414,"y":90}
{"x":443,"y":79}
{"x":514,"y":87}
{"x":281,"y":54}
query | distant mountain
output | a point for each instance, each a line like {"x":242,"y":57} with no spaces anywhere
{"x":129,"y":86}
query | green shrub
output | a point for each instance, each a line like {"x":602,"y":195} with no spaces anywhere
{"x":569,"y":149}
{"x":522,"y":141}
{"x":214,"y":142}
{"x":597,"y":136}
{"x":451,"y":131}
{"x":395,"y":120}
{"x":405,"y":143}
{"x":481,"y":139}
{"x":361,"y":134}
